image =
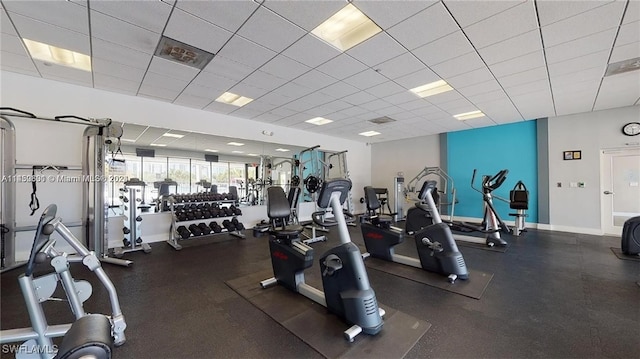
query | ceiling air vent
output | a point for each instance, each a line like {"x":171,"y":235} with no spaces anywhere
{"x":176,"y":51}
{"x":381,"y":120}
{"x":623,"y":66}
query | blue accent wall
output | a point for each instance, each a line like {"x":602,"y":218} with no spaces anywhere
{"x":489,"y":150}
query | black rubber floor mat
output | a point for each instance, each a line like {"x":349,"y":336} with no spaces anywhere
{"x":627,"y":257}
{"x":473,"y":287}
{"x":323,"y":331}
{"x":481,"y":244}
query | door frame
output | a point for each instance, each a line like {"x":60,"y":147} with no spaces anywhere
{"x":606,"y":203}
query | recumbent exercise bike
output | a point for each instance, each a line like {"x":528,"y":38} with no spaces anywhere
{"x":347,"y":292}
{"x":437,"y":250}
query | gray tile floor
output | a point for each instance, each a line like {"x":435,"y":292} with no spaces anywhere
{"x":553,"y":295}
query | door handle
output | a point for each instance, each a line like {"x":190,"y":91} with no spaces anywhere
{"x":608,"y":192}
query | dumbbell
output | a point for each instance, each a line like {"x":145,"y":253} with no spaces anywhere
{"x":126,"y":230}
{"x":191,"y":216}
{"x":215,"y":227}
{"x":206,"y":214}
{"x":204,"y":228}
{"x":195,"y":230}
{"x":228,"y":225}
{"x":139,"y":240}
{"x":239,"y":226}
{"x":183,"y":232}
{"x":126,"y":242}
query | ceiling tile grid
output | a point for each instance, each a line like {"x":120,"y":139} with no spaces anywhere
{"x":490,"y":52}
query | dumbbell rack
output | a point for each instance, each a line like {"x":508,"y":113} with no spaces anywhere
{"x":175,"y":237}
{"x":130,"y":210}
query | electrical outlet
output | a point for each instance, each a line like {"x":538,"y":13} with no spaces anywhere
{"x":559,"y":184}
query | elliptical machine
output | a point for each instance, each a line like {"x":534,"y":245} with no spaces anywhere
{"x":347,"y":292}
{"x":437,"y":250}
{"x":91,"y":335}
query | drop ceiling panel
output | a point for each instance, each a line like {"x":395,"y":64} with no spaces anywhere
{"x":485,"y":96}
{"x":539,"y":73}
{"x":55,"y":13}
{"x":593,"y":74}
{"x":310,"y":51}
{"x":151,"y":15}
{"x":511,"y":48}
{"x":12,"y":44}
{"x":101,"y":66}
{"x":300,"y":105}
{"x":172,"y":69}
{"x":62,"y":73}
{"x":196,"y":32}
{"x":352,"y":111}
{"x":400,"y":66}
{"x":258,"y":105}
{"x":401,"y":97}
{"x":633,"y":12}
{"x":377,"y":49}
{"x":460,"y":65}
{"x":587,"y":23}
{"x":420,"y":107}
{"x":264,"y":80}
{"x":6,"y":25}
{"x":213,"y":81}
{"x":480,"y":122}
{"x":315,"y":80}
{"x":227,"y":14}
{"x":191,"y":101}
{"x":119,"y":54}
{"x":375,"y":105}
{"x":295,"y":119}
{"x":580,"y":47}
{"x":518,"y":20}
{"x":385,"y":89}
{"x":122,"y":33}
{"x":315,"y":99}
{"x":277,"y":99}
{"x":417,"y":78}
{"x":248,"y":90}
{"x":535,"y":86}
{"x":246,"y":113}
{"x":293,"y":90}
{"x":305,"y":14}
{"x":625,"y":52}
{"x":424,"y":27}
{"x":339,"y":90}
{"x":554,"y":11}
{"x":570,"y":103}
{"x":458,"y":106}
{"x":18,"y":63}
{"x":519,"y":64}
{"x":133,"y":132}
{"x":51,"y":34}
{"x":359,"y":98}
{"x":228,"y":68}
{"x":365,"y":79}
{"x":579,"y":63}
{"x":619,"y":90}
{"x":284,"y":67}
{"x":444,"y":98}
{"x":445,"y":48}
{"x":500,"y":110}
{"x":219,"y":107}
{"x":470,"y":12}
{"x":270,"y":30}
{"x":152,"y":79}
{"x":534,"y":104}
{"x":470,"y":78}
{"x":629,"y":33}
{"x":112,"y":83}
{"x":387,"y":14}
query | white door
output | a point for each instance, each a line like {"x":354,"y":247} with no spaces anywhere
{"x":620,"y":188}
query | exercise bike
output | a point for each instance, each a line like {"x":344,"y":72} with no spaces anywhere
{"x":491,"y":225}
{"x":91,"y":335}
{"x":437,"y":250}
{"x":347,"y":292}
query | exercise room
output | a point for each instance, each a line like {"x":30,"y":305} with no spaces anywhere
{"x":320,"y":179}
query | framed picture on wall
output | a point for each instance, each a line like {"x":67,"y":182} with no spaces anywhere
{"x":572,"y":155}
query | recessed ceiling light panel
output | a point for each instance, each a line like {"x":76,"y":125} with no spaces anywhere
{"x":432,"y":88}
{"x":346,"y":28}
{"x":158,"y":145}
{"x":173,"y":135}
{"x":282,"y":150}
{"x":369,"y":133}
{"x":176,"y":51}
{"x":59,"y":56}
{"x":469,"y":115}
{"x":235,"y":144}
{"x":233,"y":99}
{"x":210,"y":150}
{"x":319,"y":121}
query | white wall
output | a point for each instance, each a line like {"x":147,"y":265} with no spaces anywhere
{"x":409,"y":156}
{"x":578,"y":209}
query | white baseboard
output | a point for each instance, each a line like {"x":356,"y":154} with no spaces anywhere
{"x":549,"y":227}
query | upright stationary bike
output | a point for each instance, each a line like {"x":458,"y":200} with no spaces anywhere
{"x":347,"y":292}
{"x":437,"y":250}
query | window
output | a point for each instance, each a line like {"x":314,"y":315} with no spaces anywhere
{"x":220,"y":176}
{"x":200,"y":171}
{"x":180,"y":171}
